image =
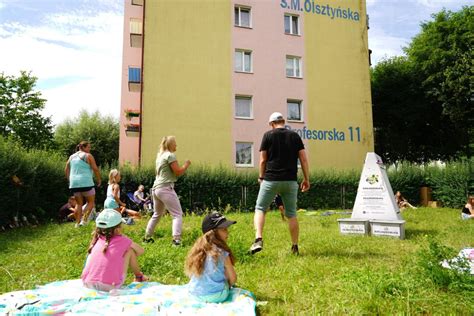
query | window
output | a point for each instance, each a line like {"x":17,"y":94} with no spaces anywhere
{"x":134,"y":79}
{"x":243,"y":61}
{"x":243,"y":106}
{"x":294,"y":110}
{"x":135,"y":33}
{"x":134,"y":75}
{"x":137,"y":2}
{"x":293,"y":66}
{"x":292,"y":24}
{"x":242,"y":16}
{"x":244,"y":154}
{"x":135,"y":26}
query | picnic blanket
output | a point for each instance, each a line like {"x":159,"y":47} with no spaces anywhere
{"x":148,"y":298}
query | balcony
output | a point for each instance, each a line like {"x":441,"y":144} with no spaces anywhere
{"x":130,"y":114}
{"x":132,"y":129}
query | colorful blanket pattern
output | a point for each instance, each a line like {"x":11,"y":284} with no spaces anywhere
{"x":148,"y":298}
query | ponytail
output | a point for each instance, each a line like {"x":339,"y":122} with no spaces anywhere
{"x":108,"y":233}
{"x":95,"y":237}
{"x":82,"y":145}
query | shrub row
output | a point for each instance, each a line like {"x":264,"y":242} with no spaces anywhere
{"x":44,"y":188}
{"x":218,"y":188}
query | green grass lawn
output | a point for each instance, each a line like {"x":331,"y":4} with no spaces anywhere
{"x":334,"y":274}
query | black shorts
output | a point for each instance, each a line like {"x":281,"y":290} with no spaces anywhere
{"x":84,"y":189}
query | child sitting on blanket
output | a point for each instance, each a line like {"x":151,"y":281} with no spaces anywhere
{"x":110,"y":255}
{"x":113,"y":195}
{"x":210,"y":262}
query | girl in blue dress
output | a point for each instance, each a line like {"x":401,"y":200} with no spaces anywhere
{"x":210,"y":262}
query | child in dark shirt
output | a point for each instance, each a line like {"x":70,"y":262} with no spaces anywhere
{"x":66,"y":212}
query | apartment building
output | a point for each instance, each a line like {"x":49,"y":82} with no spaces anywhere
{"x":211,"y":72}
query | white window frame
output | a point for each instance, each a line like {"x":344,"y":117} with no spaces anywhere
{"x":241,"y":96}
{"x":243,"y":52}
{"x":291,"y":16}
{"x":239,"y":23}
{"x":296,"y":61}
{"x":300,"y":102}
{"x":251,"y":155}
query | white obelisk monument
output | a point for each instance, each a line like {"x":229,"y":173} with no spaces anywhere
{"x":375,"y":209}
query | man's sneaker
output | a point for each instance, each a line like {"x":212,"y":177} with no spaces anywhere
{"x":176,"y":242}
{"x":148,"y":240}
{"x":256,"y":246}
{"x":294,"y":250}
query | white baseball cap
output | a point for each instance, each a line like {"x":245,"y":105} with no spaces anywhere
{"x":276,"y":116}
{"x":108,"y":218}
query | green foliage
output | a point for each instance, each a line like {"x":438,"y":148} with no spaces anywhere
{"x":20,"y":112}
{"x":444,"y":57}
{"x":456,"y":278}
{"x":216,"y":188}
{"x":101,"y":131}
{"x":407,"y":125}
{"x":450,"y":184}
{"x":408,"y":178}
{"x":423,"y":105}
{"x":44,"y":186}
{"x":443,"y":53}
{"x":334,"y":274}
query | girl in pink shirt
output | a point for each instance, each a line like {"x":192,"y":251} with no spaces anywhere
{"x":110,"y":255}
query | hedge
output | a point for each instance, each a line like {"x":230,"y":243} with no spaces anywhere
{"x":44,"y":187}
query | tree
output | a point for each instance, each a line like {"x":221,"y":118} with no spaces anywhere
{"x":444,"y":55}
{"x":20,"y":112}
{"x":101,"y":131}
{"x":407,"y":125}
{"x":423,"y":102}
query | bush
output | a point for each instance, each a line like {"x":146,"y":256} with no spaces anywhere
{"x":43,"y":187}
{"x":450,"y":184}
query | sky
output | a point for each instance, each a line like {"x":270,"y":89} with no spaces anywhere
{"x":74,"y":47}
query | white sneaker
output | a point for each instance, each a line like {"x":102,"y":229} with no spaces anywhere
{"x":82,"y":223}
{"x":76,"y":225}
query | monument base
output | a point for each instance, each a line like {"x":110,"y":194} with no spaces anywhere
{"x":395,"y":228}
{"x":357,"y":226}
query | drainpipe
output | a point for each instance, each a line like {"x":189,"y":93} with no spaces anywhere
{"x":141,"y":88}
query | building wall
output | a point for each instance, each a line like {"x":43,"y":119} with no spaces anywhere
{"x":128,"y":149}
{"x":267,"y":84}
{"x":337,"y":74}
{"x":189,"y":82}
{"x":335,"y":85}
{"x":187,"y":86}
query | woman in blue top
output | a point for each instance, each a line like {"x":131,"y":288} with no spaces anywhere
{"x":210,"y":262}
{"x":79,"y":169}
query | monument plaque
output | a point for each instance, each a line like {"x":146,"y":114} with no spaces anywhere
{"x":375,"y":202}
